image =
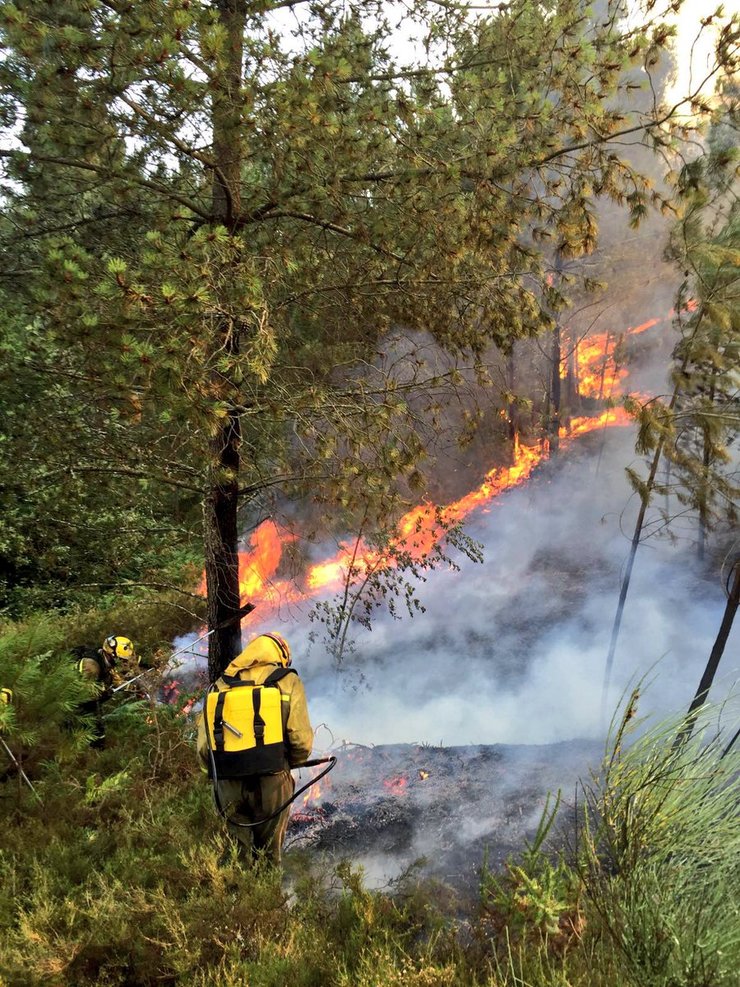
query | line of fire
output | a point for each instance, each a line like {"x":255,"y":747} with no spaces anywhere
{"x":396,"y":791}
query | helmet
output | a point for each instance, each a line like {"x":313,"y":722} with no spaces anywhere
{"x":118,"y":647}
{"x":283,"y":646}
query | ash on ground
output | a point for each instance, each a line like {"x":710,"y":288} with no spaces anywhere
{"x":386,"y":807}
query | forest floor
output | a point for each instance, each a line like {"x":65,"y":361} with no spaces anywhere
{"x":444,"y":809}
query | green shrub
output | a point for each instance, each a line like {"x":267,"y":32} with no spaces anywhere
{"x":537,"y":898}
{"x":661,"y":856}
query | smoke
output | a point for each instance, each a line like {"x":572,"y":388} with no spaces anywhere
{"x":513,"y":650}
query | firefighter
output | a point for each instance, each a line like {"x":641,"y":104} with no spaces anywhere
{"x":98,"y":666}
{"x":254,"y":799}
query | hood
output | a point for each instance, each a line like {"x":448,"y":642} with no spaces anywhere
{"x":261,"y":650}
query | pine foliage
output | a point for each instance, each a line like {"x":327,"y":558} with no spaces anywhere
{"x":697,"y":429}
{"x":220,"y":240}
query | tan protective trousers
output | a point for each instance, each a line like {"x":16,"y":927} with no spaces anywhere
{"x":251,"y":800}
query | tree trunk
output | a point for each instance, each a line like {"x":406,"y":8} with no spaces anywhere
{"x":704,"y":486}
{"x":573,"y":397}
{"x":555,"y":395}
{"x":604,"y":363}
{"x":221,"y":537}
{"x":553,"y":426}
{"x":512,"y":412}
{"x":733,"y":600}
{"x":221,"y":532}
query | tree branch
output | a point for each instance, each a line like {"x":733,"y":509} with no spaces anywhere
{"x":127,"y":584}
{"x":108,"y":173}
{"x":325,"y":224}
{"x":133,"y":474}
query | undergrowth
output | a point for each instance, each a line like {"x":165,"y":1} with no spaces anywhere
{"x":116,"y":871}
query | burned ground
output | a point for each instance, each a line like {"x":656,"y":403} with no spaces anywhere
{"x":386,"y":807}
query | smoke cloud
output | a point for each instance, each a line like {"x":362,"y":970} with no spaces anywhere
{"x":513,"y":650}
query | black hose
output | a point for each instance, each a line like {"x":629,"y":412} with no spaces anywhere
{"x":321,"y":760}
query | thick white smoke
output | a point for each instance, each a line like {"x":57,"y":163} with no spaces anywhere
{"x":513,"y":650}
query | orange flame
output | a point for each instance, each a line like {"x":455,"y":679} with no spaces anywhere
{"x":316,"y":792}
{"x":423,"y":526}
{"x":598,"y":373}
{"x":582,"y":426}
{"x":259,"y":565}
{"x":599,"y":376}
{"x":418,"y":530}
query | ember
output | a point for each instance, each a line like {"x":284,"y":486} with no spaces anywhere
{"x":396,"y":785}
{"x":476,"y":801}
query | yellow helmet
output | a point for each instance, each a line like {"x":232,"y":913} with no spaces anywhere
{"x":283,"y":646}
{"x":118,"y":647}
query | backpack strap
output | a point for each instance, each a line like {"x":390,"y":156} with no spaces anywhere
{"x":259,"y":723}
{"x":279,"y":673}
{"x":234,"y":680}
{"x":272,"y":678}
{"x":218,"y":722}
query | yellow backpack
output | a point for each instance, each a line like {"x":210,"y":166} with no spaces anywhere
{"x":245,"y":726}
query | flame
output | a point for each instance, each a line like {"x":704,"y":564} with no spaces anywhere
{"x":397,"y":785}
{"x":599,"y":375}
{"x":582,"y":426}
{"x":260,"y":564}
{"x":643,"y":327}
{"x":421,"y":528}
{"x":317,"y":791}
{"x":313,"y":794}
{"x":423,"y":775}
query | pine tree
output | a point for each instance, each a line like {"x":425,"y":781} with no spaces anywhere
{"x":694,"y":429}
{"x":227,"y":224}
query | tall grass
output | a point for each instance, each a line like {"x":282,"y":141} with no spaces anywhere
{"x":660,"y":858}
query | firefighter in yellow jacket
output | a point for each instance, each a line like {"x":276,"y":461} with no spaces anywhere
{"x":98,"y":666}
{"x":252,"y":800}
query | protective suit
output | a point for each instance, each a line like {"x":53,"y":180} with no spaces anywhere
{"x":99,"y":666}
{"x":251,"y":799}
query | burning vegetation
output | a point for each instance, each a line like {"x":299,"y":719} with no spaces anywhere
{"x":595,"y":373}
{"x":390,"y":805}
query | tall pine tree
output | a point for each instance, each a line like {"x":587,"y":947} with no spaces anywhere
{"x":222,"y":222}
